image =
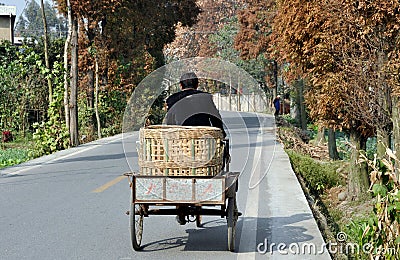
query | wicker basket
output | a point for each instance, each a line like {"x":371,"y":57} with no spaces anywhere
{"x":180,"y":150}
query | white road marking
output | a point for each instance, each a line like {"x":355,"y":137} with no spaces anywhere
{"x":61,"y":158}
{"x":248,"y":238}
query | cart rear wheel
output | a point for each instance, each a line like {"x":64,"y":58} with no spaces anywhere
{"x":231,"y":219}
{"x":136,"y":223}
{"x":198,"y":218}
{"x":198,"y":221}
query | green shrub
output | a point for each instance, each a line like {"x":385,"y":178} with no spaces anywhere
{"x":371,"y":147}
{"x":357,"y":231}
{"x":343,"y":146}
{"x":318,"y":176}
{"x":50,"y":136}
{"x":312,"y":130}
{"x":290,"y":120}
{"x":381,"y":230}
{"x":13,"y":156}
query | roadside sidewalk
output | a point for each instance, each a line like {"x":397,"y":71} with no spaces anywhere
{"x":294,"y":226}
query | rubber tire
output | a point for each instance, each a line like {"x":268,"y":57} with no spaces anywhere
{"x":198,"y":217}
{"x":231,"y":219}
{"x":198,"y":221}
{"x":136,"y":225}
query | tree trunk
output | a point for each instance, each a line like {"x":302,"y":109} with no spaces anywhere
{"x":46,"y":52}
{"x":275,"y":90}
{"x":96,"y":99}
{"x":91,"y":33}
{"x":383,"y":130}
{"x":230,"y":92}
{"x":382,"y":142}
{"x":74,"y":85}
{"x":396,"y":130}
{"x":66,"y":70}
{"x":90,"y":101}
{"x":303,"y":116}
{"x":333,"y":152}
{"x":358,"y":179}
{"x":320,"y":138}
{"x":239,"y":106}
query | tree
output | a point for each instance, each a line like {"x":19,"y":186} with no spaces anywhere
{"x":34,"y":21}
{"x":194,"y":41}
{"x":120,"y":66}
{"x":348,"y":56}
{"x":73,"y":98}
{"x":308,"y":35}
{"x":222,"y":44}
{"x":20,"y":26}
{"x":24,"y":94}
{"x":67,"y":6}
{"x":46,"y":50}
{"x":71,"y":81}
{"x":30,"y":23}
{"x":255,"y":28}
{"x":340,"y":48}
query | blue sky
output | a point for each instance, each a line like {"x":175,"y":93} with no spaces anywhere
{"x":20,"y":4}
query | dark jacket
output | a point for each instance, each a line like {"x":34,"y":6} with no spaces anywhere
{"x":193,"y":108}
{"x":277,"y":104}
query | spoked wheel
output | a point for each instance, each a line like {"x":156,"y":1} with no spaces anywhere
{"x":136,"y":222}
{"x":231,"y":217}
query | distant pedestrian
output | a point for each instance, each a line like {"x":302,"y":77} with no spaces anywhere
{"x":277,"y":105}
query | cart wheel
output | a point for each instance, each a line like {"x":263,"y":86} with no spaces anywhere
{"x":198,"y":218}
{"x":198,"y":221}
{"x":231,"y":219}
{"x":136,"y":222}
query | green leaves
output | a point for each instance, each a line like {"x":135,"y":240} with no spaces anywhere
{"x":14,"y":156}
{"x":379,"y":189}
{"x":318,"y":176}
{"x":50,"y":136}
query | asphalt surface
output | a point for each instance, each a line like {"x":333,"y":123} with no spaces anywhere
{"x":72,"y":205}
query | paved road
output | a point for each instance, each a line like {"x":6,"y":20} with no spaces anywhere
{"x":71,"y":205}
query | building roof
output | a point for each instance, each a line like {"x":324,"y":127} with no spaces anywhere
{"x":8,"y":10}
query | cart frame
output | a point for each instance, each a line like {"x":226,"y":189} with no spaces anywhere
{"x":188,"y":194}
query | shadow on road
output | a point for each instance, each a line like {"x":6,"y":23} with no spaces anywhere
{"x":213,"y":235}
{"x":99,"y":157}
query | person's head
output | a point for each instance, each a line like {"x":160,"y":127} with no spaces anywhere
{"x":278,"y":97}
{"x":189,"y":80}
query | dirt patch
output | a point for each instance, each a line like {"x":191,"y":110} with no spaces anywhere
{"x":298,"y":140}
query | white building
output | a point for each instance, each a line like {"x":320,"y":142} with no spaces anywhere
{"x":7,"y":21}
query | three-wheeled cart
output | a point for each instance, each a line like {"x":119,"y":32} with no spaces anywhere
{"x":184,"y":171}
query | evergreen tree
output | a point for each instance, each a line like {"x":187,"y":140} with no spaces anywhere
{"x":34,"y":25}
{"x":30,"y":23}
